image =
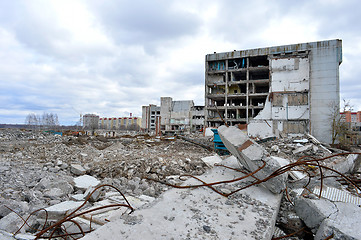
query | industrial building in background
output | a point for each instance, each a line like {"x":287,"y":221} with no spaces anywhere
{"x":120,"y":123}
{"x":90,"y":121}
{"x":93,"y":121}
{"x":351,"y":123}
{"x":173,"y":116}
{"x":275,"y":90}
{"x":150,"y":117}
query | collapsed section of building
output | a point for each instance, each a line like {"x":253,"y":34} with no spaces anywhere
{"x":173,"y":116}
{"x":275,"y":90}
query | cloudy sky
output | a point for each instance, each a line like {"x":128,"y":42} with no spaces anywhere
{"x":110,"y":57}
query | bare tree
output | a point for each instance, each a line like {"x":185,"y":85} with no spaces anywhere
{"x":32,"y":120}
{"x":339,"y":125}
{"x":46,"y":120}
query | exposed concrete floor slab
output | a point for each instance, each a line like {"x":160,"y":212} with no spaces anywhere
{"x":201,"y":213}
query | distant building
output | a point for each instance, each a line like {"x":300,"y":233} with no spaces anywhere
{"x":120,"y":123}
{"x":197,"y":121}
{"x":284,"y":89}
{"x":173,"y":116}
{"x":353,"y":121}
{"x":90,"y":121}
{"x":351,"y":117}
{"x":150,"y":117}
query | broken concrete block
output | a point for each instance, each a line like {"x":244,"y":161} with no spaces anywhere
{"x":24,"y":236}
{"x":211,"y":160}
{"x":5,"y":235}
{"x":302,"y":149}
{"x":275,"y":148}
{"x":304,"y":140}
{"x":197,"y":213}
{"x":327,"y":218}
{"x":78,"y":197}
{"x":61,"y":210}
{"x":252,"y":156}
{"x":84,"y":182}
{"x":343,"y":165}
{"x":77,"y":169}
{"x":54,"y":193}
{"x":12,"y":222}
{"x":313,"y":211}
{"x":95,"y":196}
{"x":17,"y":206}
{"x":343,"y":224}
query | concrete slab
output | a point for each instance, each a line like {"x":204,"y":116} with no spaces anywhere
{"x":302,"y":149}
{"x":61,"y":210}
{"x":326,"y":218}
{"x":6,"y":236}
{"x":211,"y":160}
{"x":313,"y":211}
{"x":343,"y":224}
{"x":252,"y":156}
{"x":201,"y":213}
{"x":85,"y":181}
{"x":77,"y":169}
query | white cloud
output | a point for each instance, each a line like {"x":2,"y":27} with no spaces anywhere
{"x":112,"y":57}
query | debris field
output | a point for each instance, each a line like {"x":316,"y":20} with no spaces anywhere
{"x":87,"y":183}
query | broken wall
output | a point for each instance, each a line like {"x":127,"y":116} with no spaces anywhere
{"x":304,"y":85}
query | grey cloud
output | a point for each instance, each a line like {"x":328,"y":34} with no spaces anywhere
{"x":145,"y":22}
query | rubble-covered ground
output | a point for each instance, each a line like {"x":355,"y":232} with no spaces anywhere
{"x":31,"y":160}
{"x":37,"y":169}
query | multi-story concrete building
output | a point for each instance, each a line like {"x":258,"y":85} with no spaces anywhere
{"x":352,"y":126}
{"x":173,"y":116}
{"x":197,"y":121}
{"x":120,"y":123}
{"x":351,"y":117}
{"x":150,"y":117}
{"x":283,"y":89}
{"x":90,"y":121}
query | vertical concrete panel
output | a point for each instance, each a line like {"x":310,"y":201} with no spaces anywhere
{"x":324,"y":86}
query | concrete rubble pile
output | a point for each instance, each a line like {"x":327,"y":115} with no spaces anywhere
{"x":40,"y":170}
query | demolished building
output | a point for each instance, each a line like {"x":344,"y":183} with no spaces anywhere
{"x":150,"y":117}
{"x":173,"y":116}
{"x":275,"y":90}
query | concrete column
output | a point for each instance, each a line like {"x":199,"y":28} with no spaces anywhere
{"x":247,"y":90}
{"x":226,"y":93}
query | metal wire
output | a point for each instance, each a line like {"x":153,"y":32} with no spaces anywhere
{"x":50,"y":231}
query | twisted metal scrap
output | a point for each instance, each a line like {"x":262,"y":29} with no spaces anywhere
{"x":300,"y":162}
{"x":313,"y":162}
{"x":58,"y":226}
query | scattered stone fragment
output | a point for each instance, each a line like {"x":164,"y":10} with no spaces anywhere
{"x":327,"y":218}
{"x":62,"y":209}
{"x":84,"y":182}
{"x":302,"y":149}
{"x":77,"y":169}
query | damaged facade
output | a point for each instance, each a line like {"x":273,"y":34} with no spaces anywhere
{"x":283,"y":89}
{"x":150,"y":117}
{"x":173,"y":116}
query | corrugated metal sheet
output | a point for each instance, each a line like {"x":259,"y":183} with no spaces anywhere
{"x":298,"y":191}
{"x":337,"y":195}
